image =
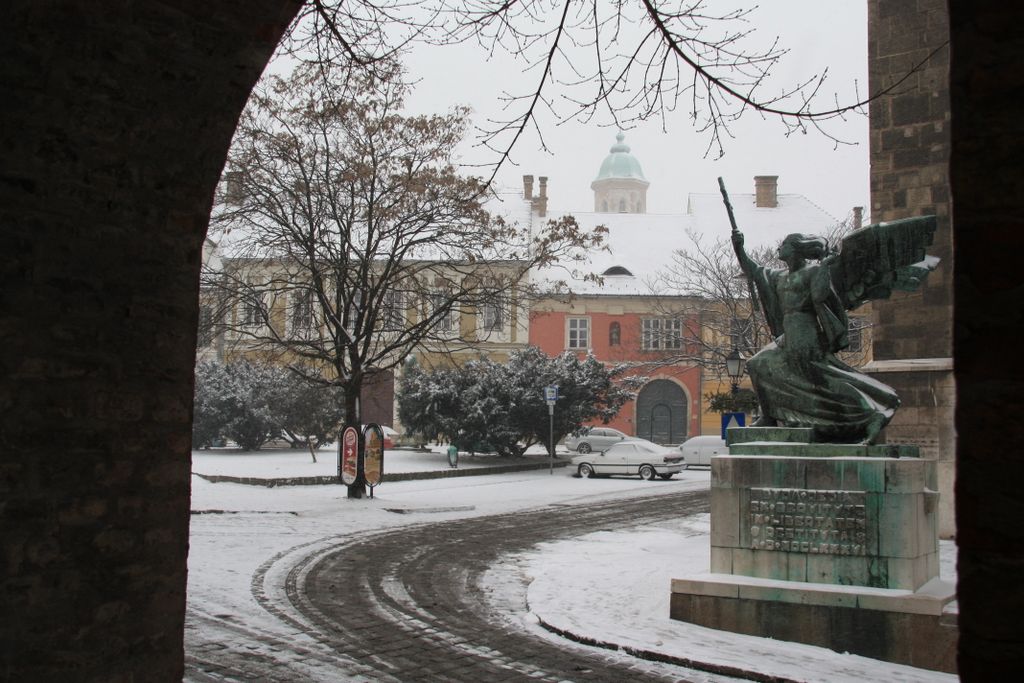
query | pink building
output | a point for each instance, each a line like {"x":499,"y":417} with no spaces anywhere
{"x":625,"y":317}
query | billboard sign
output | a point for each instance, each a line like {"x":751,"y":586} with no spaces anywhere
{"x":349,"y":456}
{"x":373,"y":464}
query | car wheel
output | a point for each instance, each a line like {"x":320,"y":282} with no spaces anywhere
{"x":586,"y":471}
{"x":666,"y":477}
{"x":647,"y":472}
{"x":583,"y":448}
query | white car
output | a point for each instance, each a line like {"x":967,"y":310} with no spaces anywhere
{"x":699,"y":449}
{"x":595,"y":439}
{"x":632,"y":457}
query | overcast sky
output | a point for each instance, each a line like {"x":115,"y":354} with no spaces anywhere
{"x":819,"y":34}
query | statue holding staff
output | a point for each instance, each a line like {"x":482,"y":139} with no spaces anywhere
{"x":798,"y":379}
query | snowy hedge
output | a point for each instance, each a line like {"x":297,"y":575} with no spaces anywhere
{"x":488,"y":406}
{"x":252,"y":403}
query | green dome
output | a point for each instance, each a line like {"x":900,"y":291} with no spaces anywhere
{"x":620,"y":163}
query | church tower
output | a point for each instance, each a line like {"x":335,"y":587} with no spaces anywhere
{"x":620,"y":186}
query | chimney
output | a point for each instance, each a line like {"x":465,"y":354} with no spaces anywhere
{"x":542,"y":199}
{"x":858,"y":217}
{"x":766,"y":189}
{"x":528,"y":187}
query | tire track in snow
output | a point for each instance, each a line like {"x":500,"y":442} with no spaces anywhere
{"x":410,"y":602}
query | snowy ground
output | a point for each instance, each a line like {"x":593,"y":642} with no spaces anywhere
{"x":254,"y":531}
{"x":286,"y":463}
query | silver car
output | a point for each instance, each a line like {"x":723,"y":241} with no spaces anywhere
{"x":632,"y":457}
{"x":595,"y":439}
{"x":700,"y":449}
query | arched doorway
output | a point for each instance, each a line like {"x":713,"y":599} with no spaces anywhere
{"x":661,"y":412}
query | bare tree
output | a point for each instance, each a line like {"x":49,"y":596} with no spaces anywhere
{"x":348,"y":239}
{"x":625,"y":62}
{"x":717,"y":296}
{"x":713,"y":290}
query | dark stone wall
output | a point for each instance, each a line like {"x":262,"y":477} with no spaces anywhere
{"x":114,"y":126}
{"x":910,"y":147}
{"x":909,"y":165}
{"x":986,"y":80}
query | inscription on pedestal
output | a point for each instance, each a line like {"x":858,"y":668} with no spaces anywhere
{"x":808,"y":521}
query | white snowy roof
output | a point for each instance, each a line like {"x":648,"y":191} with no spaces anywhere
{"x":510,"y":205}
{"x":644,"y":244}
{"x":235,"y":239}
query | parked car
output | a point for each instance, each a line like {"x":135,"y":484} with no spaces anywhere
{"x":390,"y":436}
{"x":699,"y":449}
{"x":595,"y":439}
{"x":630,"y":457}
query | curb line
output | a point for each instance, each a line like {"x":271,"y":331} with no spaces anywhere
{"x":650,"y":655}
{"x":397,"y":476}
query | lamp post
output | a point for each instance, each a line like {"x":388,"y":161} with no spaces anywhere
{"x":734,"y":363}
{"x":551,"y":396}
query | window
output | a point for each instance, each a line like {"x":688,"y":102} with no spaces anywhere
{"x":392,"y":312}
{"x":448,"y":321}
{"x":254,"y":310}
{"x":661,"y":333}
{"x":491,"y":313}
{"x":205,"y":326}
{"x":353,"y":310}
{"x":579,"y":333}
{"x":741,"y":335}
{"x":614,"y":334}
{"x":302,"y":311}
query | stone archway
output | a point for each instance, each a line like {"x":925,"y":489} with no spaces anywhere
{"x":662,"y":412}
{"x":114,"y":130}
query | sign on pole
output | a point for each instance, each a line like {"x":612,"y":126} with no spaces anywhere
{"x":373,"y":464}
{"x":349,"y":456}
{"x":551,"y":396}
{"x":730,"y":420}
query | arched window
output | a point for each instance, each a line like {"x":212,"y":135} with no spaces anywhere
{"x":622,"y":206}
{"x":614,"y":334}
{"x":604,"y":206}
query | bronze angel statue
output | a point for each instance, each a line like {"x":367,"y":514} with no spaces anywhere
{"x":798,"y":379}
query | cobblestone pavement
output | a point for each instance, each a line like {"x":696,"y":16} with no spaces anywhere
{"x":412,"y":604}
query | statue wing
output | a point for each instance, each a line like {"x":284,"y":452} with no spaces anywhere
{"x":883,"y":257}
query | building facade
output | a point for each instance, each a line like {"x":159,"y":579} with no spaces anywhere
{"x":616,"y":305}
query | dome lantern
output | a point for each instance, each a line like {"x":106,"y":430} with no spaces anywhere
{"x":620,"y":186}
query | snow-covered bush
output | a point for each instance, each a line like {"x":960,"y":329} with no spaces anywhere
{"x":253,"y":402}
{"x":210,"y":404}
{"x":309,"y":414}
{"x":485,"y":405}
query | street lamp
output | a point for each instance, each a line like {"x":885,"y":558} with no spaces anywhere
{"x":734,"y":363}
{"x":551,"y":396}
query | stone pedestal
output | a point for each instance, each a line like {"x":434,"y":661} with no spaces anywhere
{"x":828,"y":544}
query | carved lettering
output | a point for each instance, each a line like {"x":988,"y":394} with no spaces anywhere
{"x":808,"y":521}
